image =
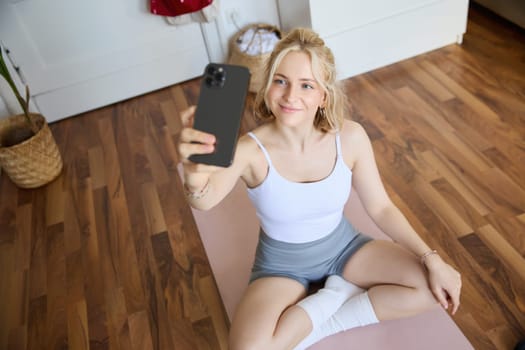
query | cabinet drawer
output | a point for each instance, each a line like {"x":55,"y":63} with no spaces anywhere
{"x":335,"y":16}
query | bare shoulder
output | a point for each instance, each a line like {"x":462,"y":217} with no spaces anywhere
{"x":246,"y":146}
{"x":354,"y":140}
{"x":249,"y":144}
{"x":353,"y":133}
{"x":251,"y":159}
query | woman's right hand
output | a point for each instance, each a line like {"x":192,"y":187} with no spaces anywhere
{"x":192,"y":141}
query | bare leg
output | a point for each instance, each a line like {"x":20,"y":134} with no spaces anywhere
{"x":267,"y":317}
{"x":396,"y":281}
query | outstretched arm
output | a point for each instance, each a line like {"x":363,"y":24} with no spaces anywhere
{"x":205,"y":185}
{"x":445,"y":281}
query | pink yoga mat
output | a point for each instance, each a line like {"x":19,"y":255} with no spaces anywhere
{"x":229,"y":233}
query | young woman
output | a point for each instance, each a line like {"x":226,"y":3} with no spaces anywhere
{"x":299,"y":167}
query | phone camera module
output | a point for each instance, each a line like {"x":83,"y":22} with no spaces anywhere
{"x":215,"y":76}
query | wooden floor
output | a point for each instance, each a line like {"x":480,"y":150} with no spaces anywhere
{"x":108,"y":256}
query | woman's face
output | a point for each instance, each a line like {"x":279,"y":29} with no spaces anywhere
{"x":294,"y":95}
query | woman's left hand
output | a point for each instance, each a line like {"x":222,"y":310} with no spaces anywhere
{"x":445,"y":282}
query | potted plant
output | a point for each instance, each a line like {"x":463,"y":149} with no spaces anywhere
{"x":28,"y":152}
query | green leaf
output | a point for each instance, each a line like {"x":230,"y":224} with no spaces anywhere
{"x":24,"y":103}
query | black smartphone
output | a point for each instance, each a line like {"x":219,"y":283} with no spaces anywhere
{"x":219,"y":110}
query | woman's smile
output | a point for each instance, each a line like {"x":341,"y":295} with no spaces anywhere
{"x":289,"y":109}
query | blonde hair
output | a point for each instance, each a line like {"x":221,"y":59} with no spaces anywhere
{"x":323,"y":67}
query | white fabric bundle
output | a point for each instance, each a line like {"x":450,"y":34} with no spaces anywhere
{"x":257,"y":41}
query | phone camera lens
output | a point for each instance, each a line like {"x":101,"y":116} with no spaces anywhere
{"x":212,"y":70}
{"x":210,"y":81}
{"x":220,"y":76}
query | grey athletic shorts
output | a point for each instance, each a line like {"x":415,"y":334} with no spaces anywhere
{"x":307,"y":262}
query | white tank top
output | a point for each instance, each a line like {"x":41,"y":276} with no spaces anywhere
{"x":297,"y":212}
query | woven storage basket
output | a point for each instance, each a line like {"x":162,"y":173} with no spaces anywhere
{"x":34,"y":162}
{"x":255,"y":63}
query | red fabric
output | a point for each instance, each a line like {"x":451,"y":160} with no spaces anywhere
{"x":177,"y":7}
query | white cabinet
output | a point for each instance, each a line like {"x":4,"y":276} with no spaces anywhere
{"x":79,"y":55}
{"x":365,"y":35}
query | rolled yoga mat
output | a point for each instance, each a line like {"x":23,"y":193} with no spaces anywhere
{"x":229,"y":233}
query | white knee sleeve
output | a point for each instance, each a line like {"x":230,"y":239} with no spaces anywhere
{"x":323,"y":304}
{"x":356,"y":312}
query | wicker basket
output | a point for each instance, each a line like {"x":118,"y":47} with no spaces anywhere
{"x":255,"y":63}
{"x":34,"y":162}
